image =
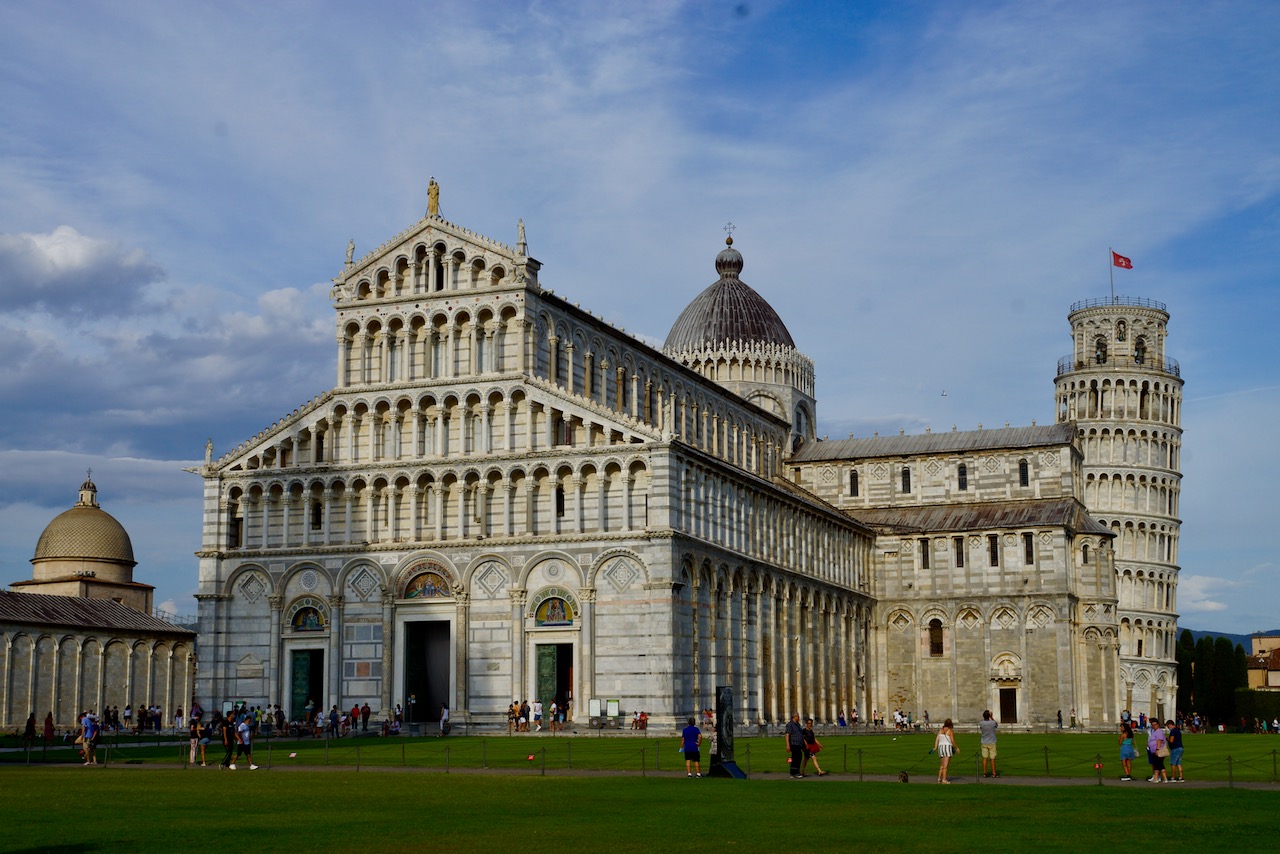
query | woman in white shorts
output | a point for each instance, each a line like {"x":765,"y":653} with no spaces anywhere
{"x":945,"y":745}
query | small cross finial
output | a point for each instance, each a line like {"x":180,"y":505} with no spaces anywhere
{"x":729,"y":228}
{"x":88,"y":474}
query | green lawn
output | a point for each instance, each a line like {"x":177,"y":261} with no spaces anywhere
{"x":1244,"y":758}
{"x":64,"y":809}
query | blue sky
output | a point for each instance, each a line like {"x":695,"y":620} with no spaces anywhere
{"x":920,"y":189}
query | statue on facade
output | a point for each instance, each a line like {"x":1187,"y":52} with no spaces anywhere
{"x":351,"y":251}
{"x":208,"y":451}
{"x":433,"y":198}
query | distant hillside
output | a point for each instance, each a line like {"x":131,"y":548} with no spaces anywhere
{"x":1244,"y":640}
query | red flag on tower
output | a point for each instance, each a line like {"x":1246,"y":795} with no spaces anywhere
{"x":1118,"y":260}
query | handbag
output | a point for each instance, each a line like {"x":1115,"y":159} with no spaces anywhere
{"x":815,"y":748}
{"x":1163,"y":750}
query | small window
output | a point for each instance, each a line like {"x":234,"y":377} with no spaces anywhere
{"x":957,"y":544}
{"x":1024,"y":473}
{"x":1100,"y":351}
{"x":1028,"y":549}
{"x":924,"y":554}
{"x":317,"y":515}
{"x":1084,"y":553}
{"x":935,"y":638}
{"x":1140,"y":351}
{"x":993,"y":549}
{"x":963,"y":473}
{"x":559,"y":501}
{"x":853,"y":484}
{"x":320,"y":448}
{"x":906,"y":480}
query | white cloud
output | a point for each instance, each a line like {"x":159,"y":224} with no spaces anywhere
{"x":1203,"y":593}
{"x":71,"y":275}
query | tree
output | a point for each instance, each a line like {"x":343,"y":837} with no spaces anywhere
{"x":1202,"y":681}
{"x":1185,"y":653}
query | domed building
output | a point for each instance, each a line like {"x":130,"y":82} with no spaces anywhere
{"x":504,"y":496}
{"x":730,"y":334}
{"x":81,"y":635}
{"x":85,"y":552}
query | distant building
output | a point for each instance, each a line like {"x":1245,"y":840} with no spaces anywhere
{"x":1264,"y":662}
{"x":81,"y":634}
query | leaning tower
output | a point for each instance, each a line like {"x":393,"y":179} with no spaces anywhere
{"x":1125,"y":397}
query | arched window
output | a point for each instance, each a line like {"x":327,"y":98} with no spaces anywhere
{"x":935,"y":638}
{"x":1140,"y":351}
{"x":1024,"y":473}
{"x":853,"y":484}
{"x":906,"y":480}
{"x":1120,"y":331}
{"x":1084,"y":553}
{"x":1100,"y":350}
{"x":317,"y":515}
{"x":963,"y":473}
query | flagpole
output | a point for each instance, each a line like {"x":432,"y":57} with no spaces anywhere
{"x":1111,"y":267}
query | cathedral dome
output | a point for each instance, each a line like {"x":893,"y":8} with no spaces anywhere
{"x":728,"y":311}
{"x":85,"y":532}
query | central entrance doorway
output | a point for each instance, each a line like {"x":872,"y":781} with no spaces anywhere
{"x":554,"y":676}
{"x":1008,"y":705}
{"x":426,"y":669}
{"x":306,"y":682}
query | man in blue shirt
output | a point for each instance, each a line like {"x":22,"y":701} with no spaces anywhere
{"x":795,"y":745}
{"x":690,"y":742}
{"x":89,"y":734}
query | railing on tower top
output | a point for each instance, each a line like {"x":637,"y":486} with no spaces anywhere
{"x":1069,"y":363}
{"x":184,"y":620}
{"x":1105,"y":301}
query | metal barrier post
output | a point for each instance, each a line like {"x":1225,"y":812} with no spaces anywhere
{"x":642,"y":763}
{"x":859,"y":764}
{"x":446,"y":760}
{"x":1046,"y":761}
{"x":1231,"y":783}
{"x":357,"y":758}
{"x":1097,"y":764}
{"x":845,"y":761}
{"x":484,"y":753}
{"x":568,"y":754}
{"x":544,"y":762}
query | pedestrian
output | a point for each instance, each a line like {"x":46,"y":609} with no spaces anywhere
{"x":690,"y":745}
{"x":1157,"y":751}
{"x":444,"y":720}
{"x":1174,"y":736}
{"x":945,"y":745}
{"x":48,"y":728}
{"x":177,"y":719}
{"x":537,"y":715}
{"x":244,"y":742}
{"x":365,"y":711}
{"x":334,"y":732}
{"x":193,"y":734}
{"x":29,"y":734}
{"x":226,"y":731}
{"x":987,"y":728}
{"x":794,"y":735}
{"x":812,"y":747}
{"x":1059,"y":718}
{"x":1127,"y":751}
{"x":89,"y":732}
{"x":1073,"y":718}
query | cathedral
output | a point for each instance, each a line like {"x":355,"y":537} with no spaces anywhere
{"x":505,"y":497}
